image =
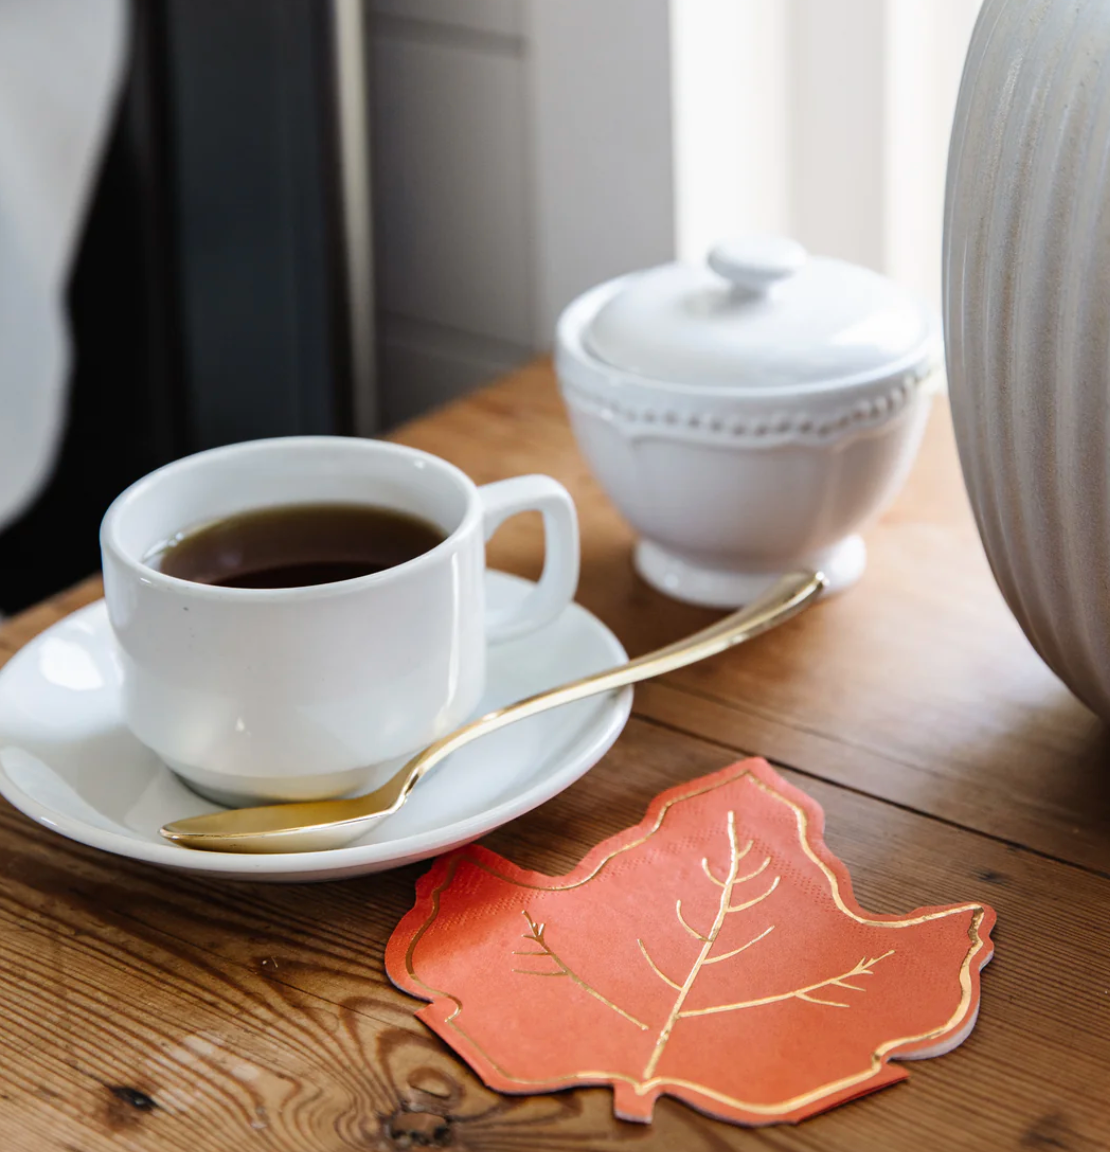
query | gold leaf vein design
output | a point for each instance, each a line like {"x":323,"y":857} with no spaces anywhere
{"x":725,"y":908}
{"x":641,"y":1087}
{"x":655,"y":968}
{"x":742,"y":948}
{"x":862,"y":968}
{"x":537,"y":933}
{"x":682,"y":920}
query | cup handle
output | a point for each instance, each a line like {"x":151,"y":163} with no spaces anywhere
{"x":561,"y":550}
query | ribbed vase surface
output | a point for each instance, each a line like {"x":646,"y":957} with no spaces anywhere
{"x":1027,"y":318}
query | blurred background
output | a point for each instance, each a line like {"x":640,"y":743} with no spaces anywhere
{"x":332,"y":215}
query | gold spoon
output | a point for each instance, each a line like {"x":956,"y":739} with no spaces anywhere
{"x":317,"y":825}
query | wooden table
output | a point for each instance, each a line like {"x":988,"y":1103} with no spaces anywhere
{"x":141,"y":1009}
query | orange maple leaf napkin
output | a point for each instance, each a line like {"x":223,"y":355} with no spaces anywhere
{"x":714,"y":952}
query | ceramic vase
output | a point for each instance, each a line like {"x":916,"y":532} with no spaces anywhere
{"x":1027,"y":318}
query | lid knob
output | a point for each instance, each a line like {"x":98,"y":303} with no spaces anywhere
{"x":757,"y":263}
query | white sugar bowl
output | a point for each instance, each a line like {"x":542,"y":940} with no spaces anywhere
{"x":750,"y":417}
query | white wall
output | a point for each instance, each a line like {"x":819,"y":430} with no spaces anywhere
{"x":450,"y":197}
{"x":522,"y":152}
{"x":731,"y":106}
{"x":602,"y":150}
{"x":831,"y":123}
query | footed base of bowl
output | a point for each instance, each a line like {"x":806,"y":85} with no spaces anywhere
{"x":712,"y":587}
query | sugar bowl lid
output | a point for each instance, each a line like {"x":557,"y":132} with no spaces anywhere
{"x":764,"y":315}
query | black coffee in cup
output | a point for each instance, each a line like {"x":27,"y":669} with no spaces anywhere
{"x":297,"y":545}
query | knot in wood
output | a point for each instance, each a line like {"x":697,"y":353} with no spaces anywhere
{"x":420,"y":1130}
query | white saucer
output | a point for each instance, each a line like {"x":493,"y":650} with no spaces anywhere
{"x":67,"y":761}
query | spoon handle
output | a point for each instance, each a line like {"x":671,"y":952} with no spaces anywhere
{"x":319,"y":824}
{"x":786,"y":598}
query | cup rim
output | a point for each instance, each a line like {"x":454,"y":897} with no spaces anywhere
{"x":109,"y":525}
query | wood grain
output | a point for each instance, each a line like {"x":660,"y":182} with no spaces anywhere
{"x":241,"y":1010}
{"x":143,"y":1009}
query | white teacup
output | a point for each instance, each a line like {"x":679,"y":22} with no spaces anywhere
{"x":254,"y":695}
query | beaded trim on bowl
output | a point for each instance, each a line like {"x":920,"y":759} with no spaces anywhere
{"x":766,"y":429}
